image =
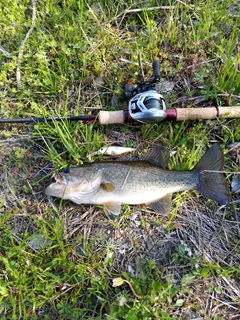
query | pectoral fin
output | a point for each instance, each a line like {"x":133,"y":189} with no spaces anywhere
{"x":162,"y":206}
{"x":108,"y":187}
{"x":112,"y":208}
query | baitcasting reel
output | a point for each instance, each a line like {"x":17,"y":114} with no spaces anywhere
{"x":146,"y":104}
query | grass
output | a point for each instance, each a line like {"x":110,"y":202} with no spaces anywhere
{"x":64,"y":261}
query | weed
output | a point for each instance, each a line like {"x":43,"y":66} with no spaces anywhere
{"x":58,"y":260}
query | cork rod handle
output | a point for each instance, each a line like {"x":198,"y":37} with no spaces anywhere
{"x":178,"y":114}
{"x":207,"y":113}
{"x":109,"y":117}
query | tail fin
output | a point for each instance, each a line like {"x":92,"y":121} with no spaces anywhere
{"x":212,"y":182}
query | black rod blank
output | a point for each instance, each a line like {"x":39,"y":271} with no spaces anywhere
{"x":49,"y":119}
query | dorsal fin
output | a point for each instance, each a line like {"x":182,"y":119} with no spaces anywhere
{"x":158,"y":156}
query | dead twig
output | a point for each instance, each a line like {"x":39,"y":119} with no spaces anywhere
{"x":133,"y":291}
{"x":236,"y":291}
{"x":13,"y":193}
{"x":140,"y":66}
{"x":23,"y":43}
{"x":135,"y":63}
{"x":185,"y":99}
{"x":4,"y":51}
{"x":129,"y":11}
{"x":148,"y":9}
{"x":185,"y":4}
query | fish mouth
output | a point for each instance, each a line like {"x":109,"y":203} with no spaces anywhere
{"x":58,"y":187}
{"x":60,"y":179}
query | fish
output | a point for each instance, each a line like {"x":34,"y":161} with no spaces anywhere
{"x":146,"y":181}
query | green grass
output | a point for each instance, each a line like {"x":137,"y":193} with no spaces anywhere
{"x":72,"y":64}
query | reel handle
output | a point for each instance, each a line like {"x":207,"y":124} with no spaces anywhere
{"x":156,"y":70}
{"x":130,"y":90}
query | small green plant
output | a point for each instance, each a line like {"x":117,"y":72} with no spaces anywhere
{"x":160,"y":294}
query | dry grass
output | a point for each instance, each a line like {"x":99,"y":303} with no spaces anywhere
{"x":200,"y":239}
{"x":75,"y":60}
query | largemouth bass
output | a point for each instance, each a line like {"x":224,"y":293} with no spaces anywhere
{"x":112,"y":184}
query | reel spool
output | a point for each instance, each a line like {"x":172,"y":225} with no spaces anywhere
{"x":147,"y":107}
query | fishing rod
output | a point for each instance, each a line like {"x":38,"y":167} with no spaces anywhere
{"x":121,"y":117}
{"x":146,"y":105}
